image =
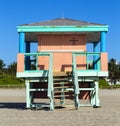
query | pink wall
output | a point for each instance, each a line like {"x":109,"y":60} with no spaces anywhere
{"x":20,"y":62}
{"x":104,"y":62}
{"x":62,"y":61}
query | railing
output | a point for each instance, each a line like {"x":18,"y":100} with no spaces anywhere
{"x":31,"y":64}
{"x":31,"y":60}
{"x":92,"y":60}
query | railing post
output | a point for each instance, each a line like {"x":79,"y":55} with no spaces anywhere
{"x":50,"y":82}
{"x":75,"y":81}
{"x":92,"y":94}
{"x":27,"y":58}
{"x":36,"y":65}
{"x":95,"y":58}
{"x":103,"y":42}
{"x":87,"y":61}
{"x":27,"y":83}
{"x":21,"y":42}
{"x":97,"y":101}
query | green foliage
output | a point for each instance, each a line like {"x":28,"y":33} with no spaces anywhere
{"x":8,"y":75}
{"x":6,"y":79}
{"x":12,"y":68}
{"x":114,"y":70}
{"x":103,"y":84}
{"x":2,"y":64}
{"x":115,"y":86}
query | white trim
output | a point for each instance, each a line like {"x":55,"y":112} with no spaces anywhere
{"x":92,"y":73}
{"x":32,"y":74}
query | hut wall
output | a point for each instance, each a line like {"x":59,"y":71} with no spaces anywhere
{"x":62,"y":61}
{"x":104,"y":62}
{"x":20,"y":62}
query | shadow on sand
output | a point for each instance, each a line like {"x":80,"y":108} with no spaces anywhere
{"x":12,"y":105}
{"x":19,"y":106}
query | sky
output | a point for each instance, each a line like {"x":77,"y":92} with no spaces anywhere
{"x":17,"y":12}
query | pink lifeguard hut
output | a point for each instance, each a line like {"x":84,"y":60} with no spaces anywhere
{"x":62,"y":69}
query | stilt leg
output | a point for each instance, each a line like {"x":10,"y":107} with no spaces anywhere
{"x":27,"y":94}
{"x":51,"y":103}
{"x":92,"y":95}
{"x":97,"y":101}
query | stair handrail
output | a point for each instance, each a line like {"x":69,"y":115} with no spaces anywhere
{"x":50,"y":81}
{"x":75,"y":77}
{"x":75,"y":80}
{"x":50,"y":73}
{"x":96,"y":59}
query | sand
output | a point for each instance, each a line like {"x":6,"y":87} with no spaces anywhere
{"x":12,"y":112}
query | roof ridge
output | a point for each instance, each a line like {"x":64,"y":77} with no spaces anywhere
{"x":62,"y":22}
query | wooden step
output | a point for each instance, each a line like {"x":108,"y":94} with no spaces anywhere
{"x":63,"y":87}
{"x":60,"y":79}
{"x":60,"y":83}
{"x":59,"y":100}
{"x":59,"y":96}
{"x":57,"y":74}
{"x":61,"y":91}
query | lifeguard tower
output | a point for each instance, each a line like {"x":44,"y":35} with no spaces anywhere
{"x":62,"y":69}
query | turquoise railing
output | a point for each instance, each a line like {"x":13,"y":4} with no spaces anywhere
{"x":33,"y":58}
{"x":75,"y":80}
{"x":27,"y":67}
{"x":92,"y":59}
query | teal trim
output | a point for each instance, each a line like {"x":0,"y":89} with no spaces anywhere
{"x":21,"y":42}
{"x":37,"y":54}
{"x":95,"y":58}
{"x":33,"y":73}
{"x":82,"y":76}
{"x":95,"y":47}
{"x":27,"y":55}
{"x":36,"y":71}
{"x":92,"y":73}
{"x":89,"y":55}
{"x":103,"y":42}
{"x":61,"y":28}
{"x":45,"y":74}
{"x":86,"y":53}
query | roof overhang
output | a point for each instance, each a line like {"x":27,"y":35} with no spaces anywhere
{"x":92,"y":32}
{"x":62,"y":28}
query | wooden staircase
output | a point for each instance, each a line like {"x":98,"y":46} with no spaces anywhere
{"x":63,"y":89}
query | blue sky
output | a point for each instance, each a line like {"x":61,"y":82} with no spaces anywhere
{"x":16,"y":12}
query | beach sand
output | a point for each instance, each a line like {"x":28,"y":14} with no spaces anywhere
{"x":12,"y":112}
